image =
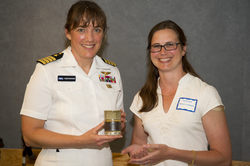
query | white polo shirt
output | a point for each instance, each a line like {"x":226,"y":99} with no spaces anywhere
{"x":73,"y":102}
{"x":181,"y":127}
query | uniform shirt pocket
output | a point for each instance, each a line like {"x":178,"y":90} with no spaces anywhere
{"x":68,"y":87}
{"x":70,"y":98}
{"x":110,"y":88}
{"x":109,"y":94}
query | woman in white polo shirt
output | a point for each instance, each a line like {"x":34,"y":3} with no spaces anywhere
{"x":177,"y":114}
{"x":65,"y":99}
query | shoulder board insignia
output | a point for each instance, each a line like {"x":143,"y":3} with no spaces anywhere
{"x":50,"y":58}
{"x":109,"y":62}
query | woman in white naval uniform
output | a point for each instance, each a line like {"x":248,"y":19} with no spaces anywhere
{"x":177,"y":114}
{"x":65,"y":99}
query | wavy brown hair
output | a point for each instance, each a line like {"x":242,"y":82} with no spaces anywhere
{"x":148,"y":93}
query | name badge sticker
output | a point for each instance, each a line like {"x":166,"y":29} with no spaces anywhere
{"x":66,"y":78}
{"x":187,"y":104}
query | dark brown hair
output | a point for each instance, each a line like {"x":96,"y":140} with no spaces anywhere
{"x":85,"y":12}
{"x":148,"y":92}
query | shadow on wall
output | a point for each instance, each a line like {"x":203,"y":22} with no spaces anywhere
{"x":1,"y":143}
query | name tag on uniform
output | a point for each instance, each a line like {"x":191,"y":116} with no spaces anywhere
{"x":66,"y":78}
{"x":187,"y":104}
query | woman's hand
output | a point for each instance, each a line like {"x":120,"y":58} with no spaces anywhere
{"x":135,"y":151}
{"x":155,"y":154}
{"x":91,"y":137}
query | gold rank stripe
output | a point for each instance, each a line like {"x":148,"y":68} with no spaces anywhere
{"x":45,"y":59}
{"x":42,"y":61}
{"x":109,"y":62}
{"x":50,"y":58}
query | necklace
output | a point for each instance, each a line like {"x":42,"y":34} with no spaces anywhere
{"x":168,"y":95}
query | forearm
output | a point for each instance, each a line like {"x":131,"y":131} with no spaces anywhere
{"x":49,"y":139}
{"x":202,"y":158}
{"x":139,"y":137}
{"x":137,"y":142}
{"x":35,"y":135}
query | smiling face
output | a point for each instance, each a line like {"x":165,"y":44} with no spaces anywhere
{"x":164,"y":60}
{"x":85,"y":41}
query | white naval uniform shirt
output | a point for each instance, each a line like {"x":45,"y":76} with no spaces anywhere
{"x":72,"y":107}
{"x":181,"y":127}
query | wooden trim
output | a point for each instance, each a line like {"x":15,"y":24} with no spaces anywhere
{"x":13,"y":157}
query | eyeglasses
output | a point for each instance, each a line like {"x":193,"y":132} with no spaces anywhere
{"x":168,"y":47}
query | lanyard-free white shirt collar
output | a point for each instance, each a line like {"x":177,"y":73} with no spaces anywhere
{"x":69,"y":60}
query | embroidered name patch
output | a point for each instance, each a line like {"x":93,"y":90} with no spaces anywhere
{"x":187,"y":104}
{"x":66,"y":78}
